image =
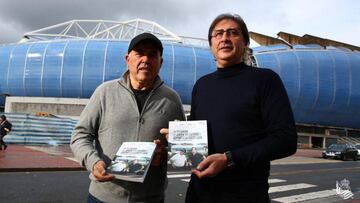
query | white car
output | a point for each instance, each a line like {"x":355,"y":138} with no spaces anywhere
{"x":357,"y":146}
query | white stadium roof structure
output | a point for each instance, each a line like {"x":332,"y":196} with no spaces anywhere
{"x":106,"y":29}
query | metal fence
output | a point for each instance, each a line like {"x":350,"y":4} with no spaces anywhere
{"x":30,"y":129}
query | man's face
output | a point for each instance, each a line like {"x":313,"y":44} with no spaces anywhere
{"x":228,"y":47}
{"x":144,"y":62}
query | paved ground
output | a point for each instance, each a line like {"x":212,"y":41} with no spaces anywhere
{"x":37,"y":158}
{"x":42,"y":158}
{"x":305,"y":156}
{"x":60,"y":158}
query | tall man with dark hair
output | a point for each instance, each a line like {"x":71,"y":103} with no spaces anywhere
{"x":132,"y":108}
{"x":249,"y":117}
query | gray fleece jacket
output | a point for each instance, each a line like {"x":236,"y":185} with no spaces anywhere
{"x":112,"y":117}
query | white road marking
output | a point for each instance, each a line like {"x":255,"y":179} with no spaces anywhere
{"x":290,"y":187}
{"x":72,"y":159}
{"x":283,"y":188}
{"x":188,"y":175}
{"x":179,"y":176}
{"x":306,"y":196}
{"x":276,"y":181}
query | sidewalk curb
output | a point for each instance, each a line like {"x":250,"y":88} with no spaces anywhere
{"x":41,"y":169}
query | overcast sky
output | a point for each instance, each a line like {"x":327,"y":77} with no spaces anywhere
{"x":331,"y":19}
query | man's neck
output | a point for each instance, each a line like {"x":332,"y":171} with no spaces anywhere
{"x":226,"y":63}
{"x":141,"y":85}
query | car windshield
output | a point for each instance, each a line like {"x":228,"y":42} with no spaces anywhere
{"x":336,"y":146}
{"x":357,"y":146}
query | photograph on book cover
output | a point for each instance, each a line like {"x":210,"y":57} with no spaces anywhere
{"x":132,"y":161}
{"x":188,"y":144}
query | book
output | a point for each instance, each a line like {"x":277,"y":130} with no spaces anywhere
{"x":188,"y":144}
{"x":132,"y":161}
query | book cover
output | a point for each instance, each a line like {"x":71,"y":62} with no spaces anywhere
{"x":188,"y":144}
{"x":132,"y":161}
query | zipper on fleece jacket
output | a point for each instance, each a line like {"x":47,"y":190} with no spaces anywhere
{"x":140,"y":114}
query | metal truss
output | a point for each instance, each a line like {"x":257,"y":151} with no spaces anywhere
{"x":105,"y":29}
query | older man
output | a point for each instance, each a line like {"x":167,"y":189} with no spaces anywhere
{"x":132,"y":108}
{"x":250,"y":121}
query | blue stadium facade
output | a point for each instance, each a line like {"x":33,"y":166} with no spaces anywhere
{"x":323,"y":84}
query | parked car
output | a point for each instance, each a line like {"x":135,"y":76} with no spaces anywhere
{"x":357,"y":146}
{"x":341,"y":151}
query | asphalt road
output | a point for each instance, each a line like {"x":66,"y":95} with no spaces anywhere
{"x":292,"y":182}
{"x":286,"y":181}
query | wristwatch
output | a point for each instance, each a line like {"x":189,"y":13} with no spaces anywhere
{"x":230,"y":161}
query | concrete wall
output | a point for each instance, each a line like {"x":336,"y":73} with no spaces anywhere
{"x":68,"y":107}
{"x":57,"y":106}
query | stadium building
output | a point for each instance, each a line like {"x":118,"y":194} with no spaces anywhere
{"x":55,"y":70}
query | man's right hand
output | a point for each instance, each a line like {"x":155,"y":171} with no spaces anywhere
{"x":99,"y":171}
{"x":160,"y":153}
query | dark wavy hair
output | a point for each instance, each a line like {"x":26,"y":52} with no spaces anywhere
{"x":234,"y":17}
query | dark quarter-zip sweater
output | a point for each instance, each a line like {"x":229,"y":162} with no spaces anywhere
{"x":248,"y":114}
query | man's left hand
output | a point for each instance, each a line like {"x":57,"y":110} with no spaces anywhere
{"x":211,"y":166}
{"x":165,"y":132}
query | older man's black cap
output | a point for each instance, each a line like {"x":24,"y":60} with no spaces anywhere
{"x":145,"y":36}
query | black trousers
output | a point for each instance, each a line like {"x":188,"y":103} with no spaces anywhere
{"x":210,"y":191}
{"x":2,"y":143}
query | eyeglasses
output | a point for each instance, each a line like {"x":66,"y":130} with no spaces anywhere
{"x":232,"y":32}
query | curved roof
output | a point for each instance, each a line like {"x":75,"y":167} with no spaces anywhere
{"x":106,"y":29}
